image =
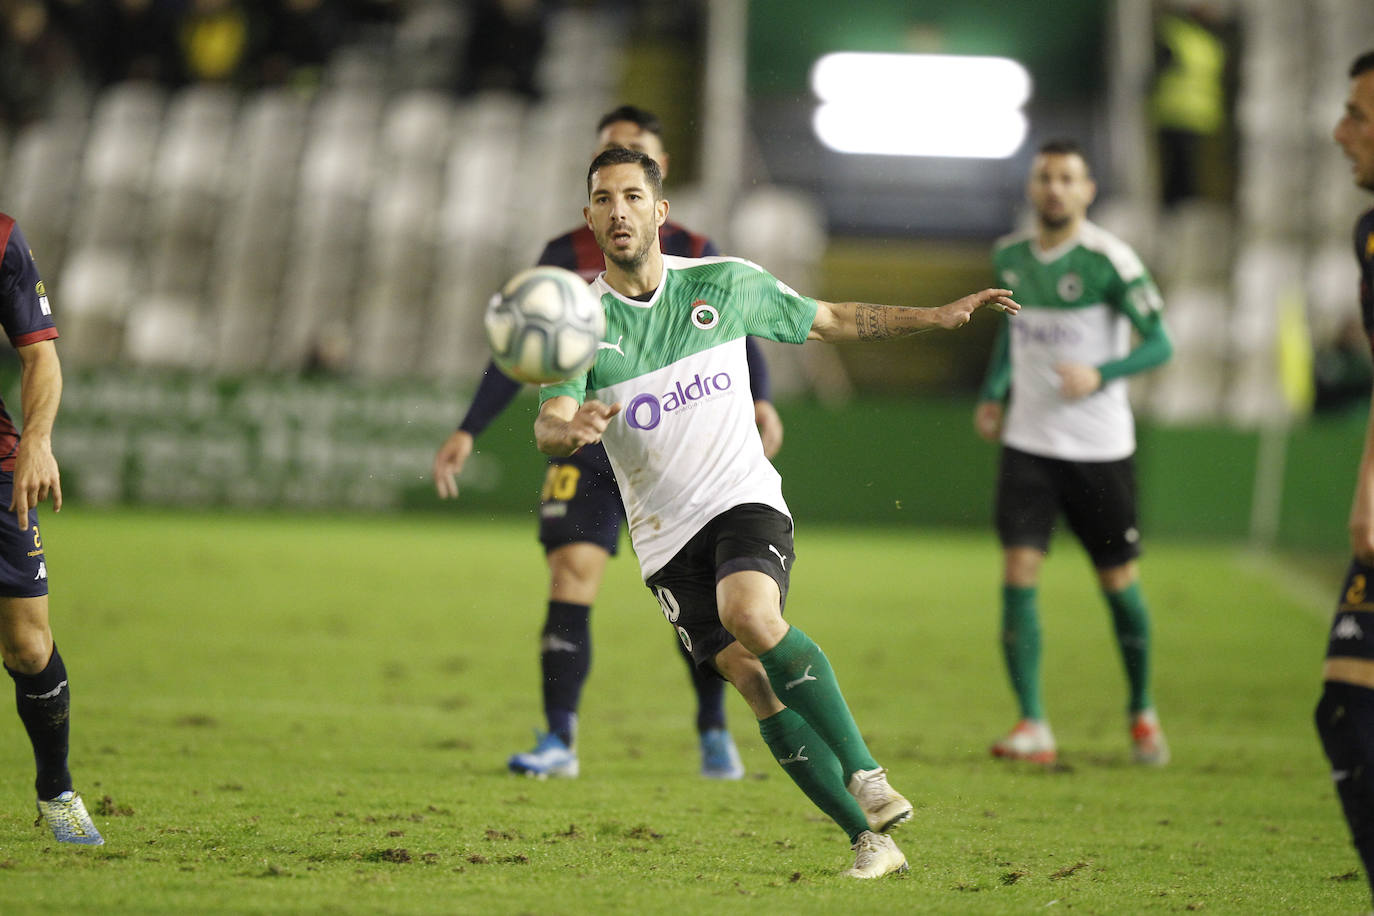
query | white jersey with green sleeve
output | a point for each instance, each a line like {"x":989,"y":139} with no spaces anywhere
{"x":1079,"y":302}
{"x":684,"y":447}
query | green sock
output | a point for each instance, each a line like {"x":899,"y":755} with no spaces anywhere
{"x":802,"y":679}
{"x":1132,"y":622}
{"x":1021,"y":647}
{"x":805,"y":757}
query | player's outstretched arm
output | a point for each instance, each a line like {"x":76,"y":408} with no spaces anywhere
{"x":842,"y":321}
{"x":563,"y":427}
{"x":35,"y":469}
{"x":449,"y":461}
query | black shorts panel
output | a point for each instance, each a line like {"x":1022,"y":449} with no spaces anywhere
{"x":23,"y":566}
{"x":580,"y":501}
{"x":751,"y":536}
{"x":1096,"y":498}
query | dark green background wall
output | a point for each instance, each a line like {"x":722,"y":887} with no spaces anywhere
{"x":918,"y":463}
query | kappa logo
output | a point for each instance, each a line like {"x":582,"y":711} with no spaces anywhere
{"x":42,"y":571}
{"x":552,"y":643}
{"x":806,"y":676}
{"x":795,"y":758}
{"x":603,"y":345}
{"x":704,"y":315}
{"x":49,"y":695}
{"x":781,"y":559}
{"x":1347,"y":628}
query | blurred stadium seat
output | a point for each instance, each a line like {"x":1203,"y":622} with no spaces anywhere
{"x":250,"y":262}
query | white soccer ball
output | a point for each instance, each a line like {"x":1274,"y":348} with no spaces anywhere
{"x":544,"y":326}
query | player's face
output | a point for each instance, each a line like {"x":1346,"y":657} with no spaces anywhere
{"x":1060,"y":188}
{"x":1355,"y":130}
{"x":623,"y":214}
{"x":630,"y":135}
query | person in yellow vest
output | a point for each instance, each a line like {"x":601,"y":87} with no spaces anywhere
{"x":1189,"y":100}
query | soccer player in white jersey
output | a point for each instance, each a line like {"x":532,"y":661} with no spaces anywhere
{"x":668,"y":397}
{"x":1067,"y":434}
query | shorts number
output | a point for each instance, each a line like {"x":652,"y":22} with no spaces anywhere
{"x":560,"y":482}
{"x":1355,"y":594}
{"x":671,"y":609}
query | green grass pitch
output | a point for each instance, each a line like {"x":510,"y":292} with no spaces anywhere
{"x":279,"y":714}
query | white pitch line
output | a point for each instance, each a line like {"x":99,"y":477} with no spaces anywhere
{"x":1315,"y":596}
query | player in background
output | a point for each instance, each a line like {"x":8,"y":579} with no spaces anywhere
{"x":707,"y":517}
{"x":1345,"y":713}
{"x":580,"y":510}
{"x":1067,"y":434}
{"x":28,"y":475}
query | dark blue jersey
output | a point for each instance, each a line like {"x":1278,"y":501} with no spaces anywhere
{"x":25,"y":315}
{"x":577,"y":251}
{"x":1364,"y":255}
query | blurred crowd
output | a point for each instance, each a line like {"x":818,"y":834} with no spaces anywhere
{"x":47,"y":46}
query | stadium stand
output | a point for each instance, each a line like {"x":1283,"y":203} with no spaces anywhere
{"x":355,"y":225}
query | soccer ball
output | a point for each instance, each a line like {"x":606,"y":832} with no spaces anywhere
{"x":544,"y":326}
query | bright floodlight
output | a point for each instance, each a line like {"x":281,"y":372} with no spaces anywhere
{"x":920,"y":104}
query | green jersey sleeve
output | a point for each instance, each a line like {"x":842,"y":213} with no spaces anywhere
{"x":575,"y":387}
{"x":769,"y":307}
{"x":1140,"y":301}
{"x":997,"y":381}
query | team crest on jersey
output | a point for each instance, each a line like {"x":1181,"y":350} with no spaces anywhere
{"x":704,"y":316}
{"x":1069,"y":287}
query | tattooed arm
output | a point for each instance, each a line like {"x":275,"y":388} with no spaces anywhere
{"x":837,"y":321}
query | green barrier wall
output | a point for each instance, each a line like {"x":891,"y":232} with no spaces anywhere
{"x":163,"y":439}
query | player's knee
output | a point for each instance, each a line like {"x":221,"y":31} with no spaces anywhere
{"x":26,"y":653}
{"x":757,"y":627}
{"x":1118,"y":578}
{"x":574,"y":579}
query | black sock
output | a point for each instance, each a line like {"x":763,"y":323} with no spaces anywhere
{"x":710,"y":690}
{"x":565,"y":656}
{"x":44,"y":703}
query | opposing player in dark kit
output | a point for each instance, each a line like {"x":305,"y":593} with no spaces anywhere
{"x":1345,"y":713}
{"x":28,"y":476}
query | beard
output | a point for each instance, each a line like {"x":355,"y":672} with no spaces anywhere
{"x":1058,"y":221}
{"x":629,"y":260}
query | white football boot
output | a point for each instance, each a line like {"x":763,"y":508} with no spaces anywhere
{"x":881,"y":804}
{"x":875,"y":856}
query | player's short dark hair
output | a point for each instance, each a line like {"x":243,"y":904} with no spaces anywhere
{"x":643,"y":118}
{"x":1362,"y":65}
{"x":1063,"y":146}
{"x":619,"y":155}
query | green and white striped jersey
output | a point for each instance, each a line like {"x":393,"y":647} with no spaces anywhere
{"x":1079,"y":303}
{"x":684,"y":447}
